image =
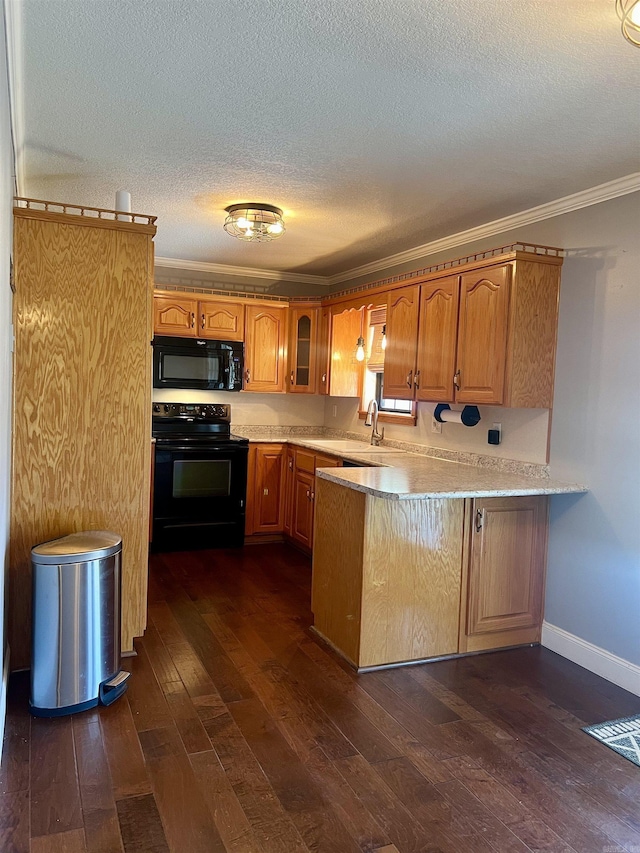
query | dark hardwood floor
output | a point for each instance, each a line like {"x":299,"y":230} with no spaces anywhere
{"x":240,"y":733}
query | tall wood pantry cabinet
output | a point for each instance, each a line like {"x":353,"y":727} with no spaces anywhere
{"x":82,"y":397}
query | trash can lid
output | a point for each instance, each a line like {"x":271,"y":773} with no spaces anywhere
{"x":77,"y":548}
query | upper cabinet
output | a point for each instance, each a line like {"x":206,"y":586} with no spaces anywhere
{"x":206,"y":318}
{"x":265,"y":348}
{"x":303,"y":342}
{"x":487,"y":336}
{"x":345,"y":372}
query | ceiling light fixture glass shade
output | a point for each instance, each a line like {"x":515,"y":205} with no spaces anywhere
{"x":629,"y":13}
{"x":254,"y":222}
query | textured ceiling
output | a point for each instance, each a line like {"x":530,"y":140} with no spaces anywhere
{"x":377,"y":125}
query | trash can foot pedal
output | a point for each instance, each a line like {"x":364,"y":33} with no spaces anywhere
{"x":114,"y":687}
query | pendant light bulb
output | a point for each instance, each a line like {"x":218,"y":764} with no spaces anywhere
{"x":360,"y":349}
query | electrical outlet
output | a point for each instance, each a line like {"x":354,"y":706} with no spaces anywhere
{"x":436,"y":426}
{"x":335,"y":411}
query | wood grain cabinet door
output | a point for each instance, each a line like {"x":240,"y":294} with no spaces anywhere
{"x":221,"y":321}
{"x":482,"y":335}
{"x":175,"y":316}
{"x":507,"y":559}
{"x":289,"y":479}
{"x":437,"y":338}
{"x":269,"y":493}
{"x":403,"y":308}
{"x":302,"y":530}
{"x":265,"y":348}
{"x":345,"y":378}
{"x":323,"y":360}
{"x":303,"y":323}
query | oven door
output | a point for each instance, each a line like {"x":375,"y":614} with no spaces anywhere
{"x":199,"y":496}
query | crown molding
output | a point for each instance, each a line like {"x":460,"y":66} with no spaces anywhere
{"x":15,"y":76}
{"x":567,"y":204}
{"x":246,"y":272}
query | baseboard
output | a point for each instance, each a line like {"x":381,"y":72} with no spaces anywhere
{"x":617,"y":670}
{"x":4,"y":686}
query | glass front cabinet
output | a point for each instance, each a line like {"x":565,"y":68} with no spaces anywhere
{"x":302,"y":349}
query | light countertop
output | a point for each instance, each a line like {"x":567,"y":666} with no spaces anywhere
{"x":400,"y":475}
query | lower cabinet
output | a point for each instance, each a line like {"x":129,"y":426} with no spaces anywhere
{"x":397,"y":581}
{"x":265,"y":488}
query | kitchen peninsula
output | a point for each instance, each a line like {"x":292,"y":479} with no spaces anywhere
{"x":426,"y":558}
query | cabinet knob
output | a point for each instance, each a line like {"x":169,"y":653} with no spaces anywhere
{"x":409,"y":375}
{"x":456,"y":379}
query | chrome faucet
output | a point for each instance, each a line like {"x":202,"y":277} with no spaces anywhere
{"x":372,"y":421}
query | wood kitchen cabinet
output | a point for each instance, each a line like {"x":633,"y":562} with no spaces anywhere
{"x":324,"y":350}
{"x":397,"y":581}
{"x":503,"y":578}
{"x":265,"y":348}
{"x":487,"y":336}
{"x":265,"y":488}
{"x":186,"y":317}
{"x":303,"y":343}
{"x":301,"y":498}
{"x":345,"y":374}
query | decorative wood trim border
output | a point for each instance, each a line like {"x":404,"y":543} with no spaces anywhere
{"x":59,"y":208}
{"x":615,"y":669}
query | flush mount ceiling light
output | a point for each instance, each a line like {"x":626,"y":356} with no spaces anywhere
{"x":629,"y":13}
{"x":254,"y":221}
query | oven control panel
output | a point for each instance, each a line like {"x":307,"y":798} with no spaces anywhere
{"x":207,"y":412}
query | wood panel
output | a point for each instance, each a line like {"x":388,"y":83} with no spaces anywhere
{"x":269,"y":491}
{"x":482,"y":335}
{"x":289,"y":479}
{"x":303,"y":326}
{"x":533,"y":330}
{"x":221,"y":320}
{"x":324,"y":350}
{"x":506,"y":571}
{"x":346,"y":373}
{"x":302,"y":527}
{"x":411,"y":580}
{"x":265,"y":348}
{"x":402,"y":333}
{"x":175,"y":315}
{"x":337,"y":566}
{"x":437,"y":339}
{"x":82,"y":403}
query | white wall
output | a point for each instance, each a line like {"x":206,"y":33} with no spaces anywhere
{"x":6,"y":219}
{"x":593,"y":576}
{"x":252,"y":409}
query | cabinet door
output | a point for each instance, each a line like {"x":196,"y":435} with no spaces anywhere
{"x":302,"y":350}
{"x":175,"y":316}
{"x":268,"y":494}
{"x":289,"y":480}
{"x":437,"y":336}
{"x":324,"y":350}
{"x":265,"y":350}
{"x":222,"y":321}
{"x":402,"y":334}
{"x":302,"y":530}
{"x":346,"y":372}
{"x":506,"y":571}
{"x":482,"y":335}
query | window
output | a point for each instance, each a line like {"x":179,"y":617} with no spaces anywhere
{"x":387,"y":404}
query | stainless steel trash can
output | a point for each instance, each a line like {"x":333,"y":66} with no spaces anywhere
{"x":76,"y":623}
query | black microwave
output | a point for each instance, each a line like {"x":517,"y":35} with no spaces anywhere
{"x":194,"y":363}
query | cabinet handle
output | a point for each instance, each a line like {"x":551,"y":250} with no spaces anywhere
{"x":416,"y":379}
{"x":247,"y":376}
{"x":292,"y":382}
{"x":456,"y":379}
{"x":265,"y":492}
{"x":324,"y":377}
{"x":308,"y":493}
{"x":312,"y":496}
{"x":479,"y":520}
{"x":202,"y":321}
{"x":193,"y":319}
{"x":409,"y":375}
{"x":291,"y":464}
